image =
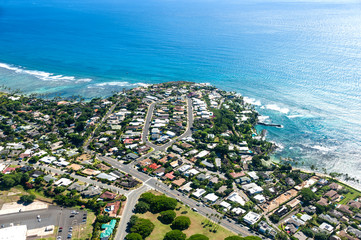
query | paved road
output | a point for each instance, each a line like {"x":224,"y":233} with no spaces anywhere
{"x":159,"y":186}
{"x":147,"y":122}
{"x":111,"y":109}
{"x":164,"y":147}
{"x":128,"y":210}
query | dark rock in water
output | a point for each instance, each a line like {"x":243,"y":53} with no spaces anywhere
{"x":270,"y":124}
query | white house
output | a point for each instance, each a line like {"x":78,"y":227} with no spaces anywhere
{"x":253,"y":175}
{"x":226,"y":205}
{"x":252,"y":188}
{"x":326,"y":227}
{"x":191,"y":172}
{"x":260,"y":198}
{"x":211,"y":197}
{"x":251,"y":218}
{"x":48,"y":159}
{"x":238,"y":210}
{"x":63,"y":182}
{"x":199,"y":192}
{"x":235,"y":197}
{"x":170,"y":134}
{"x":184,"y":168}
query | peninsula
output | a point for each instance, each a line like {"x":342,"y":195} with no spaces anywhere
{"x":176,"y":160}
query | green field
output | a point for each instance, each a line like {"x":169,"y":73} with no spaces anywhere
{"x":196,"y":225}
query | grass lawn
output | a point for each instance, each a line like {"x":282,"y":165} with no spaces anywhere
{"x":15,"y":194}
{"x":39,"y":195}
{"x":84,"y":231}
{"x":196,"y":225}
{"x":351,"y":195}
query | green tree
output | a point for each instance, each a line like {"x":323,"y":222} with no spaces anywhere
{"x":281,"y":236}
{"x":181,"y":223}
{"x":27,"y":198}
{"x":142,"y":207}
{"x":142,"y":226}
{"x":320,"y":236}
{"x":7,"y":181}
{"x":308,"y":232}
{"x":147,"y":197}
{"x":167,"y":217}
{"x":132,"y":221}
{"x":233,"y":238}
{"x":133,"y":236}
{"x":274,"y":218}
{"x":175,"y":235}
{"x":307,"y":195}
{"x":198,"y":237}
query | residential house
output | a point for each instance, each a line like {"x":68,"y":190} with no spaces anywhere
{"x":108,"y":195}
{"x":251,"y":218}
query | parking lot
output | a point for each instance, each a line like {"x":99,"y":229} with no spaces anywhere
{"x":54,"y":215}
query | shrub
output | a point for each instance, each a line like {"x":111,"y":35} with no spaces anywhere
{"x":142,"y":226}
{"x":133,"y":236}
{"x":174,"y":235}
{"x":198,"y":237}
{"x":233,"y":238}
{"x":27,"y":198}
{"x":142,"y":207}
{"x":167,"y":217}
{"x":181,"y":223}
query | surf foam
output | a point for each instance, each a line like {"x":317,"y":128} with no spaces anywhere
{"x":45,"y":76}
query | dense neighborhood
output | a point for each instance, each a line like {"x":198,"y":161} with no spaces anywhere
{"x":173,"y":151}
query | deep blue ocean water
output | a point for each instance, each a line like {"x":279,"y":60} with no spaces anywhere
{"x":298,"y":61}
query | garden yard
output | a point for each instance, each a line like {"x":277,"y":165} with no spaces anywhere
{"x":196,"y":227}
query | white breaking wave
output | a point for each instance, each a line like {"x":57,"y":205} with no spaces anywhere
{"x":45,"y":76}
{"x":277,"y":108}
{"x":252,"y":101}
{"x":118,"y":84}
{"x":262,"y":118}
{"x":322,"y":149}
{"x":295,"y":116}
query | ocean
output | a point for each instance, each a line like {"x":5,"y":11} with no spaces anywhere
{"x":296,"y":61}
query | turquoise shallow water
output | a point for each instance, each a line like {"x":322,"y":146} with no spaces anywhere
{"x":297,"y":61}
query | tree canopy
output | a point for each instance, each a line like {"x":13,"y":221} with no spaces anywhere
{"x":181,"y":223}
{"x":133,"y":236}
{"x":142,"y":207}
{"x":27,"y":198}
{"x":167,"y":217}
{"x":158,"y":203}
{"x":198,"y":237}
{"x":142,"y":226}
{"x":307,"y":195}
{"x":175,"y":235}
{"x":233,"y":238}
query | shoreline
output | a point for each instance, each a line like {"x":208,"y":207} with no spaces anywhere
{"x":273,"y":158}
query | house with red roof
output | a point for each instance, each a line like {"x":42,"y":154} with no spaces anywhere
{"x":108,"y":195}
{"x":154,"y":166}
{"x":9,"y":170}
{"x":170,"y":175}
{"x":237,"y":174}
{"x":128,"y":141}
